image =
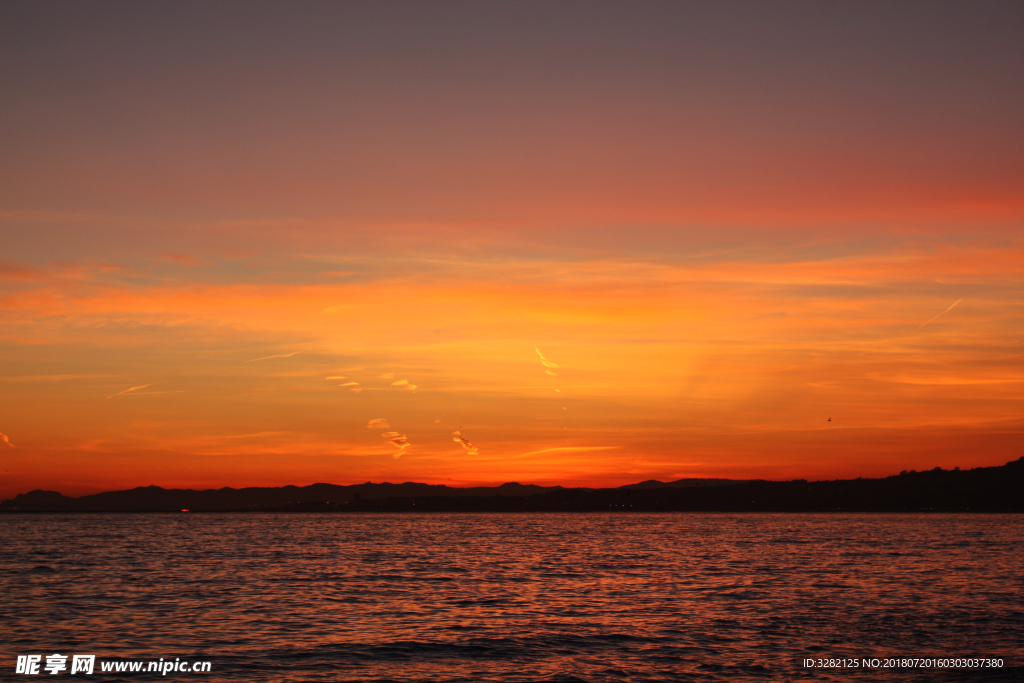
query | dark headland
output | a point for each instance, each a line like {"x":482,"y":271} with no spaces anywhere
{"x":983,"y":489}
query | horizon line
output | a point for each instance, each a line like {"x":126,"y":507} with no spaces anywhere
{"x":516,"y":483}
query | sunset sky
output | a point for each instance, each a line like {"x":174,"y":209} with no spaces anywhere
{"x":285,"y":243}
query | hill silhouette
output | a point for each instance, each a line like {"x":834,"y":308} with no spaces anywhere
{"x":982,"y":489}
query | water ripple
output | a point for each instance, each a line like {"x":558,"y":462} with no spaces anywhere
{"x":477,"y":597}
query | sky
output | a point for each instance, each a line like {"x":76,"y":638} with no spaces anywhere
{"x":576,"y":243}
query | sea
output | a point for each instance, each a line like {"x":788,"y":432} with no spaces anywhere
{"x":513,"y":597}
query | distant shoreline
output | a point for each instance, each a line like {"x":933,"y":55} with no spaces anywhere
{"x":981,"y":490}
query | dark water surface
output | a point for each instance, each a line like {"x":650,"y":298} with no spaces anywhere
{"x":519,"y":597}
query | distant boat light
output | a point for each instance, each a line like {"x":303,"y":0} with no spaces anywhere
{"x":184,"y":509}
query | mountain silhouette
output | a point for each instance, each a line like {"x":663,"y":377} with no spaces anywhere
{"x":982,"y":489}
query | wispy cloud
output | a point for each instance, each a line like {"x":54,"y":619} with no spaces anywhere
{"x":6,"y":440}
{"x":378,"y":423}
{"x":548,"y":364}
{"x":279,"y":355}
{"x":544,"y":361}
{"x":130,"y":390}
{"x":465,"y":443}
{"x":943,"y":313}
{"x":399,"y":441}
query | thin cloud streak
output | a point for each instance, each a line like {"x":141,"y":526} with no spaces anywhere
{"x":943,"y":313}
{"x":6,"y":440}
{"x":280,"y":355}
{"x":128,"y":391}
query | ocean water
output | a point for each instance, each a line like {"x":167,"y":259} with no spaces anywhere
{"x":516,"y":597}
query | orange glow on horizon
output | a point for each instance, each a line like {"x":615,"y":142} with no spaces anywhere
{"x":664,"y":370}
{"x":589,"y":248}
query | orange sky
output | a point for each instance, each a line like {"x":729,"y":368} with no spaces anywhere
{"x":717,"y":236}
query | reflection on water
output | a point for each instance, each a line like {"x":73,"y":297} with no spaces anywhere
{"x":547,"y":597}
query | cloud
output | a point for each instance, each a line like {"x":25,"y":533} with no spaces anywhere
{"x":378,"y":423}
{"x":357,"y":389}
{"x":6,"y":440}
{"x":553,"y":374}
{"x":388,"y":375}
{"x":280,"y":355}
{"x":465,"y":443}
{"x":128,"y":391}
{"x":399,"y":441}
{"x":400,"y":383}
{"x":544,"y":361}
{"x":943,"y":313}
{"x":336,"y":377}
{"x":349,"y":384}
